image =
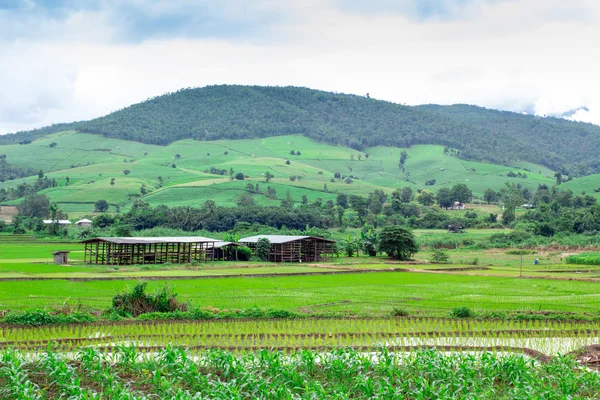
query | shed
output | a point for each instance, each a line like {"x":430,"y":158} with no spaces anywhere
{"x":148,"y":250}
{"x":84,"y":222}
{"x":295,"y":248}
{"x":61,"y":257}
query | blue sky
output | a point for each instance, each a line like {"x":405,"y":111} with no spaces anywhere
{"x":65,"y":60}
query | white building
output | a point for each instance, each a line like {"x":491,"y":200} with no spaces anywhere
{"x":57,"y":221}
{"x":84,"y":222}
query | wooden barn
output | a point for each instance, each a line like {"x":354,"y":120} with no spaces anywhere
{"x":295,"y":248}
{"x":148,"y":250}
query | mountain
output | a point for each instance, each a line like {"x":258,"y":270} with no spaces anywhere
{"x":244,"y":112}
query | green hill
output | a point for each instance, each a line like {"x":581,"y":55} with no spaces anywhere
{"x":182,"y":165}
{"x":250,"y":112}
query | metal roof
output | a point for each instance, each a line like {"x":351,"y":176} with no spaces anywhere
{"x":224,"y":244}
{"x":278,"y":239}
{"x":83,"y":220}
{"x":57,"y":221}
{"x":153,"y":240}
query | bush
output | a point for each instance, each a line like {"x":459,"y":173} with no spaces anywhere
{"x":519,"y":252}
{"x":42,"y":317}
{"x":590,"y":258}
{"x":263,"y":248}
{"x":461,"y":312}
{"x":440,"y":257}
{"x":138,"y":302}
{"x":244,"y":253}
{"x":399,"y":312}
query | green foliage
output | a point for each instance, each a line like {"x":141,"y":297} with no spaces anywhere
{"x":461,"y":312}
{"x":398,"y":242}
{"x":220,"y":113}
{"x":42,"y":317}
{"x":589,"y":258}
{"x":263,"y":249}
{"x":36,"y":205}
{"x":137,"y":301}
{"x":369,"y":240}
{"x":440,"y":257}
{"x":101,"y":206}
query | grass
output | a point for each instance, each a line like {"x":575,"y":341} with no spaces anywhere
{"x":187,"y":184}
{"x":357,"y":294}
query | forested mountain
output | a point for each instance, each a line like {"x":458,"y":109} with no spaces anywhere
{"x":237,"y":112}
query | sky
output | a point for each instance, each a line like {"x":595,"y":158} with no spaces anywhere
{"x":68,"y":60}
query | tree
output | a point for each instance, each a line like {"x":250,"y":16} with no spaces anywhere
{"x":246,"y":200}
{"x":35,"y":205}
{"x":398,"y":242}
{"x":287,"y":162}
{"x":337,"y":175}
{"x":406,"y":194}
{"x":368,"y":240}
{"x":126,"y":172}
{"x":268,"y":177}
{"x":304,"y":199}
{"x":490,"y":196}
{"x":40,"y":174}
{"x":51,"y":145}
{"x":559,"y":178}
{"x":288,"y":202}
{"x":101,"y":206}
{"x":512,"y":197}
{"x":342,"y":200}
{"x":231,"y":173}
{"x":161,"y":181}
{"x":359,"y":205}
{"x":403,"y":157}
{"x":461,"y":193}
{"x":112,"y":181}
{"x":250,"y":187}
{"x":239,"y":176}
{"x":426,"y":198}
{"x":444,"y":198}
{"x":143,"y":189}
{"x":263,"y":248}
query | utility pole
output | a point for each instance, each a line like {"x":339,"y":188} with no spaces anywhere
{"x":521,"y":272}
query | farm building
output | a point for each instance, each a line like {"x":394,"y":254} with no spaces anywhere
{"x":57,"y":221}
{"x":295,"y":248}
{"x":84,"y":222}
{"x":148,"y":250}
{"x":225,"y":251}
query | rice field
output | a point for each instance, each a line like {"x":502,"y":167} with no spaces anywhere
{"x":295,"y":359}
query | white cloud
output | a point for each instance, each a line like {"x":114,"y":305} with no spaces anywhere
{"x":516,"y":55}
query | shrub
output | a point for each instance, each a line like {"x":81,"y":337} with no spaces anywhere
{"x":590,"y":258}
{"x":440,"y":257}
{"x":263,"y":248}
{"x":137,"y":301}
{"x":399,"y":312}
{"x":461,"y":312}
{"x":42,"y":317}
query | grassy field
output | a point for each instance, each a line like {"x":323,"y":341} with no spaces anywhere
{"x":91,"y":161}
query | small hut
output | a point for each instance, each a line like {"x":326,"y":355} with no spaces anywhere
{"x":295,"y":248}
{"x":84,"y":222}
{"x":148,"y":250}
{"x":61,"y":257}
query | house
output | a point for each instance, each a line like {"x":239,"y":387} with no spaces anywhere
{"x":458,"y":206}
{"x":57,"y":221}
{"x":294,"y":248}
{"x":84,"y":222}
